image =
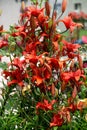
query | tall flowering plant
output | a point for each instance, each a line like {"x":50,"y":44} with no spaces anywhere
{"x":43,"y":83}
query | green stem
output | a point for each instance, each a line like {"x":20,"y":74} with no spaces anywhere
{"x":11,"y":61}
{"x":54,"y":7}
{"x":64,"y":31}
{"x":59,"y":16}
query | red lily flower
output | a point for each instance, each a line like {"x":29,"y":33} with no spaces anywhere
{"x":39,"y":74}
{"x":3,"y":43}
{"x":26,"y":14}
{"x":18,"y":63}
{"x":67,"y":76}
{"x":34,"y":10}
{"x":31,"y":47}
{"x":72,"y":76}
{"x":31,"y":58}
{"x":65,"y":113}
{"x":47,"y":73}
{"x":69,"y":47}
{"x":57,"y":120}
{"x":42,"y":18}
{"x":45,"y":105}
{"x":70,"y":24}
{"x":20,"y":31}
{"x":17,"y":76}
{"x":77,"y":74}
{"x":53,"y":63}
{"x":38,"y":79}
{"x":72,"y":107}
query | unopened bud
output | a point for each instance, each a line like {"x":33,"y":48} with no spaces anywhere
{"x":22,"y":6}
{"x":47,"y":6}
{"x":64,"y":4}
{"x":53,"y":89}
{"x":80,"y":62}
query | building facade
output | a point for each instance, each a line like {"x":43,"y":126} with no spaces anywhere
{"x":77,"y":5}
{"x":72,"y":5}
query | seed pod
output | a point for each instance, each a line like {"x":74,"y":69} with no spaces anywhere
{"x":64,"y":4}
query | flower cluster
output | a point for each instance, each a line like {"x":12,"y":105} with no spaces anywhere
{"x":41,"y":60}
{"x":77,"y":16}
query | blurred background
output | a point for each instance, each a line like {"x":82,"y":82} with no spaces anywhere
{"x":10,"y":9}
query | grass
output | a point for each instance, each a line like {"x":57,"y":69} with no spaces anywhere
{"x":81,"y":33}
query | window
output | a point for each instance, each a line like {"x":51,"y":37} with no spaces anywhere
{"x":58,"y":7}
{"x":77,"y":7}
{"x":21,"y":0}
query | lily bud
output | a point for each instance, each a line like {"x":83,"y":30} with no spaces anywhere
{"x":80,"y":62}
{"x":22,"y":6}
{"x":1,"y":28}
{"x":64,"y":4}
{"x":47,"y":7}
{"x":32,"y":23}
{"x":53,"y":89}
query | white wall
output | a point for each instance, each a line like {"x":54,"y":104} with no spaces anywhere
{"x":10,"y":12}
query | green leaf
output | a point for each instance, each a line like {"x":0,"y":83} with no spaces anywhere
{"x":55,"y":128}
{"x":50,"y":23}
{"x":3,"y":52}
{"x":35,"y":118}
{"x":3,"y":65}
{"x":34,"y":1}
